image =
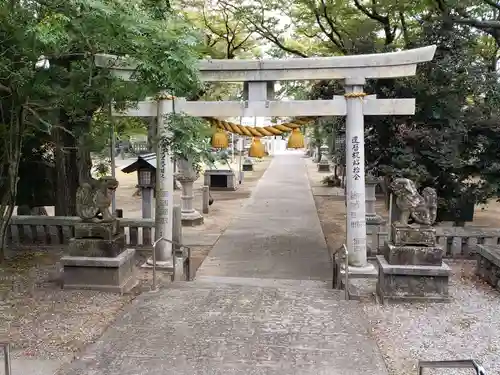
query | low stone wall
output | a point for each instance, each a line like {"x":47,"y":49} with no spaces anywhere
{"x":488,"y":264}
{"x":457,"y":242}
{"x":26,"y":231}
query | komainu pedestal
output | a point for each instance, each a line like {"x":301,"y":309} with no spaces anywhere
{"x":97,"y":258}
{"x":411,"y":266}
{"x":97,"y":240}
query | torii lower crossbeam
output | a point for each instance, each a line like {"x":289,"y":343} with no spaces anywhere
{"x":293,"y":108}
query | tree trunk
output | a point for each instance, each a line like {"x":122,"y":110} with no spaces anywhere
{"x":152,"y":135}
{"x":83,"y":162}
{"x":73,"y":166}
{"x":9,"y":183}
{"x":65,"y":163}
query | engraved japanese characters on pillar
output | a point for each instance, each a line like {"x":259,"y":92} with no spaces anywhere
{"x":355,"y":158}
{"x":164,"y":183}
{"x":355,"y":168}
{"x":356,"y":222}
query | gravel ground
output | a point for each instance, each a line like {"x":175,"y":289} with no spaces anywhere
{"x":41,"y":320}
{"x":466,"y":328}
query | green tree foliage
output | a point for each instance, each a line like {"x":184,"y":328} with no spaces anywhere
{"x":442,"y":145}
{"x":483,"y":15}
{"x":163,"y":46}
{"x":224,"y":37}
{"x":451,"y":142}
{"x":59,"y":95}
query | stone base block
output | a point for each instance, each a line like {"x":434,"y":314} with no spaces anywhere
{"x":164,"y":265}
{"x":413,"y":255}
{"x":247,"y":167}
{"x":374,"y":221}
{"x":191,"y":219}
{"x":104,"y":231}
{"x":323,"y":167}
{"x":220,"y":179}
{"x":413,"y":235}
{"x":397,"y":283}
{"x":367,"y":272}
{"x":97,"y":247}
{"x":371,"y":250}
{"x":488,"y":264}
{"x":115,"y":274}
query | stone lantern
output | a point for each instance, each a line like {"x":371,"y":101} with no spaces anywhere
{"x":145,"y":166}
{"x":324,"y":164}
{"x":146,"y":182}
{"x":187,"y":176}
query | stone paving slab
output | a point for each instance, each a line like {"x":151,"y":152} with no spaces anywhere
{"x":233,"y":330}
{"x":28,"y":366}
{"x":278,"y":233}
{"x":275,"y":283}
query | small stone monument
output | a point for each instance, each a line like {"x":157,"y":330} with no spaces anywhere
{"x":324,"y":164}
{"x":97,"y":258}
{"x":411,"y":266}
{"x":220,"y":179}
{"x":247,"y":165}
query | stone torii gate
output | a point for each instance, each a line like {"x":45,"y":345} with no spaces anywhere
{"x":259,"y":77}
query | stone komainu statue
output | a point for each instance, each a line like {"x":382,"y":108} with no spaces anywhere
{"x":93,"y":199}
{"x":421,"y":208}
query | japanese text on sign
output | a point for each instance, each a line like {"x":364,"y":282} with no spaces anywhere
{"x":162,"y":166}
{"x":357,"y":224}
{"x":355,"y":158}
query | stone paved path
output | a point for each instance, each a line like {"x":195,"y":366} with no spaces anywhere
{"x":278,"y":234}
{"x":261,"y":305}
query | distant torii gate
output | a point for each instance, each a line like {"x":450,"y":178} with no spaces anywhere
{"x":259,"y":77}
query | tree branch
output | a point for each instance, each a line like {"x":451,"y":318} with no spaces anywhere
{"x":404,"y":29}
{"x":207,"y":24}
{"x":374,"y":15}
{"x":237,"y":46}
{"x":329,"y":34}
{"x":493,"y":4}
{"x":486,"y":25}
{"x":337,"y":39}
{"x":47,"y":124}
{"x":264,"y":32}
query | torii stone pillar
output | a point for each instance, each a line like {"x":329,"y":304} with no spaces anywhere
{"x":164,"y":189}
{"x":355,"y":171}
{"x":354,"y":70}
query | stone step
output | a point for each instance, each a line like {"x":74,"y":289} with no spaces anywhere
{"x":323,"y":288}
